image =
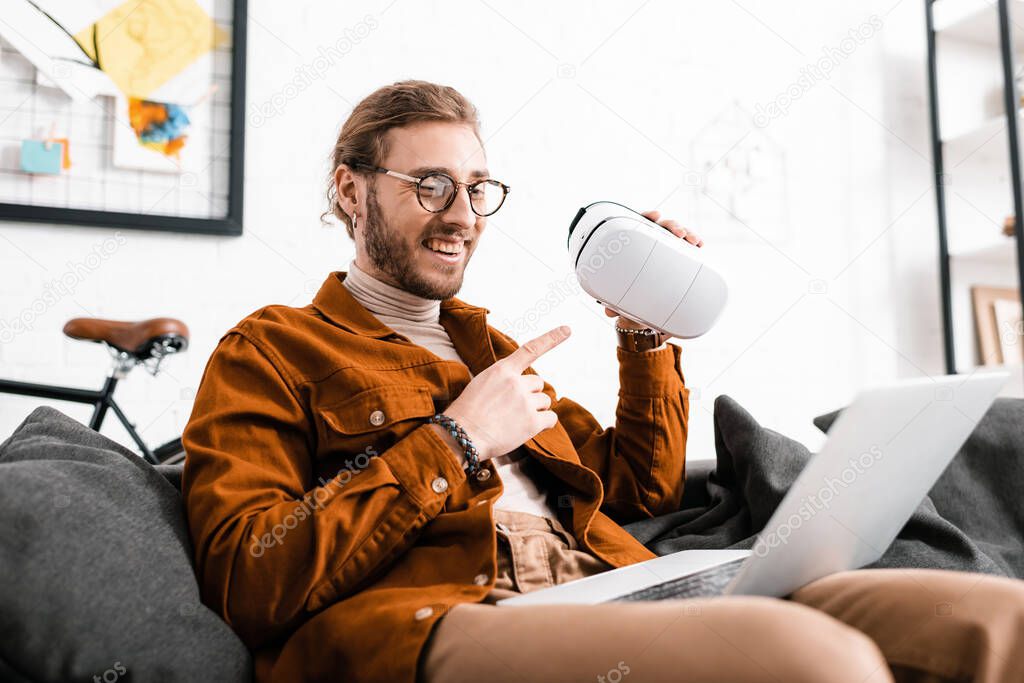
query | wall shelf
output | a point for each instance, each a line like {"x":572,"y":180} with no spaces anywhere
{"x":975,"y":136}
{"x":1003,"y":253}
{"x":977,"y":23}
{"x":972,"y":21}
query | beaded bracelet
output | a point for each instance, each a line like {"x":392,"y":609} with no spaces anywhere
{"x":459,"y":434}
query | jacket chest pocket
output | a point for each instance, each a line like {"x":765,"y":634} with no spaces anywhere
{"x":372,"y":420}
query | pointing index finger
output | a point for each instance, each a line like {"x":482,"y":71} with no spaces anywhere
{"x":525,"y":355}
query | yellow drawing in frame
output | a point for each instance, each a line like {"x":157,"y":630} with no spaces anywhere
{"x":141,"y":44}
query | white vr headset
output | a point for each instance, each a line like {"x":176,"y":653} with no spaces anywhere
{"x":642,"y":271}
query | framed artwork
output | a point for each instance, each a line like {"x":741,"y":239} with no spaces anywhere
{"x":1009,"y":325}
{"x":124,"y":113}
{"x":997,"y":322}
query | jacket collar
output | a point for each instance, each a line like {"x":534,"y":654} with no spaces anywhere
{"x":337,"y":304}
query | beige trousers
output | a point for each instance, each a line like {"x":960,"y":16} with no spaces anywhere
{"x":915,"y":625}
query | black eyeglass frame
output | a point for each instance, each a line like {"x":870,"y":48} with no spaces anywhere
{"x":505,"y":189}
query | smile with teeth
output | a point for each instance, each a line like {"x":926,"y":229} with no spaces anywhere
{"x":445,"y":247}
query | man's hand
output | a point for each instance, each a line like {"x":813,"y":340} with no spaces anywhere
{"x":501,"y":407}
{"x":677,"y":230}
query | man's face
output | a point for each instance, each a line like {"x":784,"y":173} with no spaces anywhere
{"x":395,"y":234}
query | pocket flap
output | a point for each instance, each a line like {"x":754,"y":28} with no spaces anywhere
{"x":378,"y":408}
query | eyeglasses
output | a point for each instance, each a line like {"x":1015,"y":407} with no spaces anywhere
{"x":436,"y":191}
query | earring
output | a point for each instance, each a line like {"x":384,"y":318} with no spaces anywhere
{"x":355,"y":221}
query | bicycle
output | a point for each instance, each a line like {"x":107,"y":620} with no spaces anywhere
{"x":146,"y":343}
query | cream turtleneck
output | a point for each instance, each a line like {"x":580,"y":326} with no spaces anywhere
{"x":419,"y":319}
{"x":406,"y":313}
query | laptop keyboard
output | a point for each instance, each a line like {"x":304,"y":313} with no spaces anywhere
{"x":703,"y":584}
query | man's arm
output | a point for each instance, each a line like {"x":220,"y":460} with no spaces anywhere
{"x":273,"y":546}
{"x":642,"y":459}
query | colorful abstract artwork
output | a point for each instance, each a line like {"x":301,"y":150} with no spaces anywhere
{"x":160,"y":126}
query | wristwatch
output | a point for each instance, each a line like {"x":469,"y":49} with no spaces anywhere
{"x":640,"y":340}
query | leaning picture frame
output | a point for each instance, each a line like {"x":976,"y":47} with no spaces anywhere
{"x":172,"y":160}
{"x":987,"y":327}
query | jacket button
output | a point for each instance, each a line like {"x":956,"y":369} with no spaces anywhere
{"x":480,"y":579}
{"x":377,"y":418}
{"x":483,"y":475}
{"x":440,"y":485}
{"x":423,"y":613}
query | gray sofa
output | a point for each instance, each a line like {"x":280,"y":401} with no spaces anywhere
{"x":98,"y":581}
{"x":96,"y":560}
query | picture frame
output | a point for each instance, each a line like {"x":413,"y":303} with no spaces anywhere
{"x":991,"y":327}
{"x":224,"y":191}
{"x":1009,"y":325}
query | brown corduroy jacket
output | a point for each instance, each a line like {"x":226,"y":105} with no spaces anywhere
{"x":332,"y":527}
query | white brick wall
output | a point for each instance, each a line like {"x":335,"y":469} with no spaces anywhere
{"x":580,"y":102}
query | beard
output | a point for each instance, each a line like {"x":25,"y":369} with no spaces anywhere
{"x":390,"y":252}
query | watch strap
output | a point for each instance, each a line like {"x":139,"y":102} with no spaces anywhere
{"x":639,"y":340}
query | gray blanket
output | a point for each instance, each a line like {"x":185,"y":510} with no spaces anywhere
{"x":972,"y":519}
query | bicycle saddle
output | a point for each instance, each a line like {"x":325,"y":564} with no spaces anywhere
{"x":143,"y":339}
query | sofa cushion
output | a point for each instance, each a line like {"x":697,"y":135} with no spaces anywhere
{"x":979,"y":492}
{"x":98,"y":577}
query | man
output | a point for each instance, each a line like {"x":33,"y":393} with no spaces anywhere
{"x":368,"y":474}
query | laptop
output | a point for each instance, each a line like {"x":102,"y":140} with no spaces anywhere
{"x":882,"y":456}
